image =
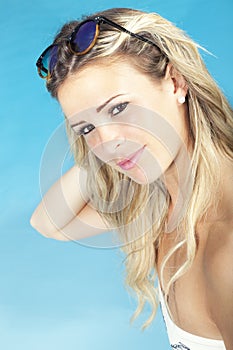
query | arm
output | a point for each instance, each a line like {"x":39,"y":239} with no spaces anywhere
{"x":64,"y":210}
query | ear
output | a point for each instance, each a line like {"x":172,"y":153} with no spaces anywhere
{"x":179,"y":83}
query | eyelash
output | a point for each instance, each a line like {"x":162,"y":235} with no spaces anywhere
{"x":121,"y":106}
{"x":81,"y":131}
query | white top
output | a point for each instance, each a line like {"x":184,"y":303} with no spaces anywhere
{"x":182,"y":340}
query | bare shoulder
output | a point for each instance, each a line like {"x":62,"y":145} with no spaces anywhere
{"x":218,"y":271}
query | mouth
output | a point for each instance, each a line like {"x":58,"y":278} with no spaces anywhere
{"x":130,"y":162}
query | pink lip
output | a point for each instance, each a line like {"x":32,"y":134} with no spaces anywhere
{"x":130,"y":162}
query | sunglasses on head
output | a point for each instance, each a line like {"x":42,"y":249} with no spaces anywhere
{"x":82,"y":39}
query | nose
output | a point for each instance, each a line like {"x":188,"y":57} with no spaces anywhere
{"x":107,"y":138}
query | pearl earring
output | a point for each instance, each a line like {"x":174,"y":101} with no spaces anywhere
{"x":181,"y":99}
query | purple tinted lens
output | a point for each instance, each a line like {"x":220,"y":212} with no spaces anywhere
{"x":49,"y":60}
{"x":53,"y":58}
{"x":84,"y":36}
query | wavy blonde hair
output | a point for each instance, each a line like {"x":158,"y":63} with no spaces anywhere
{"x":211,"y":125}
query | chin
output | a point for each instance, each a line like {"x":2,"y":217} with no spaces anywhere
{"x":140,"y":177}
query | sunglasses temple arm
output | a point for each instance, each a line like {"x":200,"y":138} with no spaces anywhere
{"x":117,"y":26}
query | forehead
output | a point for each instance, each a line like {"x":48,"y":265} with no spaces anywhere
{"x":94,"y":84}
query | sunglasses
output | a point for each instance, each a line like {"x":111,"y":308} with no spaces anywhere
{"x":81,"y":40}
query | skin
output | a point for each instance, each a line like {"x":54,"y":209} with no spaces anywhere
{"x":115,"y":138}
{"x":211,"y":275}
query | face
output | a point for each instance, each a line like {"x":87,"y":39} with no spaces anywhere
{"x":128,"y":120}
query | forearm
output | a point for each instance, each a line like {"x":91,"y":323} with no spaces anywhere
{"x":86,"y":224}
{"x":63,"y":201}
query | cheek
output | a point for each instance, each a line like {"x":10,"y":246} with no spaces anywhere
{"x":161,"y":138}
{"x":92,"y":140}
{"x":113,"y":134}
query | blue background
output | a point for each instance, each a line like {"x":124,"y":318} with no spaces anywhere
{"x":61,"y":295}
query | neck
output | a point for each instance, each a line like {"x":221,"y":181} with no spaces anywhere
{"x":222,"y":211}
{"x":179,"y":185}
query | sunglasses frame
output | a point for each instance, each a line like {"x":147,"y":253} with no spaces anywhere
{"x":97,"y":20}
{"x":40,"y":66}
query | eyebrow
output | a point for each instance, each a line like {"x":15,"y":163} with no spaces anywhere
{"x":81,"y":122}
{"x":98,"y":109}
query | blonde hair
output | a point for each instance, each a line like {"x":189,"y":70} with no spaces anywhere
{"x":211,"y":125}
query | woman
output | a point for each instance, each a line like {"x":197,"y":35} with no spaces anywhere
{"x":151,"y":134}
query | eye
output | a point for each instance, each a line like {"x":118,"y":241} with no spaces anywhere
{"x":118,"y":108}
{"x":84,"y":130}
